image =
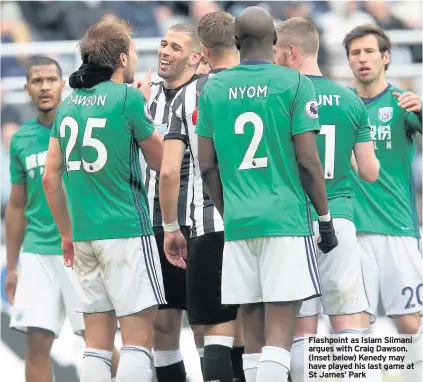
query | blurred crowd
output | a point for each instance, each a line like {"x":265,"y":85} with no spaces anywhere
{"x":26,"y":21}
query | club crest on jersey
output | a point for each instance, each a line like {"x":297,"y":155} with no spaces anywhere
{"x":195,"y":116}
{"x":385,"y":114}
{"x":147,"y":112}
{"x":311,"y":109}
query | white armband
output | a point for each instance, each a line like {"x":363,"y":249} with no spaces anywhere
{"x":170,"y":227}
{"x":325,"y":218}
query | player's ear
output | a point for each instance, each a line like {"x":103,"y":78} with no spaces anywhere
{"x":386,"y":57}
{"x":275,"y":38}
{"x":123,"y":59}
{"x":237,"y":44}
{"x":195,"y":58}
{"x":63,"y":84}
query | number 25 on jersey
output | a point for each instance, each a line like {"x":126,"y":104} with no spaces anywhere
{"x":87,"y":141}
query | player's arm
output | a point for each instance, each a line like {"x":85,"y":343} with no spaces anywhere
{"x":311,"y":171}
{"x":412,"y":104}
{"x":210,"y":172}
{"x":176,"y":141}
{"x":152,"y":149}
{"x":207,"y":156}
{"x":54,"y":191}
{"x":138,"y":116}
{"x":367,"y":165}
{"x":15,"y":224}
{"x":305,"y":124}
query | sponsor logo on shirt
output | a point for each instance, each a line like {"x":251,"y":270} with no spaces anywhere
{"x":385,"y":114}
{"x":34,"y":161}
{"x":381,"y":136}
{"x":311,"y":109}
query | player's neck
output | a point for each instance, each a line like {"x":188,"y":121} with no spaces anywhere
{"x":225,"y":61}
{"x":257,"y":55}
{"x":46,"y":118}
{"x":178,"y":82}
{"x":309,"y":66}
{"x":372,"y":89}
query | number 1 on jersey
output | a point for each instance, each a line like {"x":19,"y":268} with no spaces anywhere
{"x":249,"y":161}
{"x":329,"y":132}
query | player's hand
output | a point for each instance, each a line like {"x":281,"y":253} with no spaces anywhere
{"x":144,"y":85}
{"x":175,"y":248}
{"x":68,"y":251}
{"x":408,"y":101}
{"x":10,"y":285}
{"x":327,"y":240}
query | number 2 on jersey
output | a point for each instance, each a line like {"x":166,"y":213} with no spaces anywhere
{"x":329,"y":132}
{"x":249,"y":161}
{"x":87,"y":141}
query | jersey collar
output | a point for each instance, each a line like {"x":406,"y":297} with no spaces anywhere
{"x":368,"y":101}
{"x":254,"y":62}
{"x":44,"y":125}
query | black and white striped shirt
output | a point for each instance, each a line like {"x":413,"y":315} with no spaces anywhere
{"x":159,"y":104}
{"x":181,"y":125}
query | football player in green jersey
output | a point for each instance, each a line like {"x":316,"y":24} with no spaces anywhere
{"x":30,"y":227}
{"x":386,"y":216}
{"x":95,"y":140}
{"x":257,"y":153}
{"x":343,"y":127}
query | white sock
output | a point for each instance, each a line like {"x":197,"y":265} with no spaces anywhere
{"x":218,"y":340}
{"x":414,"y":355}
{"x":297,"y":360}
{"x":166,"y":357}
{"x":134,"y":365}
{"x":96,"y":366}
{"x":274,"y":361}
{"x":371,"y":375}
{"x":338,"y":351}
{"x":200,"y":352}
{"x":250,"y":364}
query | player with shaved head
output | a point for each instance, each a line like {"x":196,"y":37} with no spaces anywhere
{"x":257,"y":158}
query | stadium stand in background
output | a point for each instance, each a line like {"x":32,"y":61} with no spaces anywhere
{"x":53,"y":28}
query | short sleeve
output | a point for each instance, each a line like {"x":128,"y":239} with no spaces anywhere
{"x":363,"y":127}
{"x":55,"y":133}
{"x":413,"y":121}
{"x":204,"y":126}
{"x":176,"y":127}
{"x":137,"y":113}
{"x":17,"y":169}
{"x":305,"y":116}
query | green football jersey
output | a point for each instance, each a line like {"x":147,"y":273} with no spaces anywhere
{"x":252,"y":111}
{"x":98,"y":130}
{"x":343,"y":122}
{"x":388,"y":206}
{"x":28,"y":152}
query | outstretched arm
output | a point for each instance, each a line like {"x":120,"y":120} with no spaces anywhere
{"x":210,"y":171}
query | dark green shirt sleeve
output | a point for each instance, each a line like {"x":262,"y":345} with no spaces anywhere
{"x":305,"y":116}
{"x":204,"y":125}
{"x":137,"y":114}
{"x":17,"y":168}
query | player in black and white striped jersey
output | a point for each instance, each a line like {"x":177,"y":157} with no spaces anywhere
{"x":205,"y":248}
{"x":179,"y":54}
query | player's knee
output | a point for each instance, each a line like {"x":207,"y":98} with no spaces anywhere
{"x":306,"y":325}
{"x":39,"y":343}
{"x":167,"y":329}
